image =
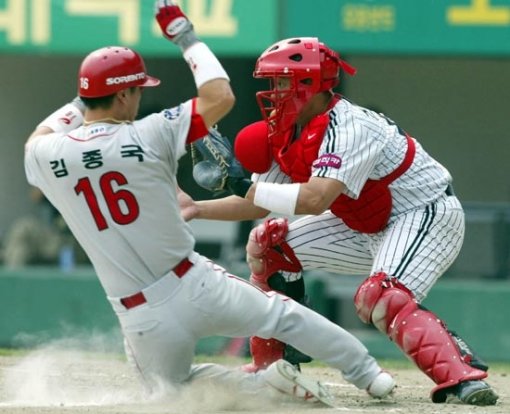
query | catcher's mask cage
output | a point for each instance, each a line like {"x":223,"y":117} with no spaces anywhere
{"x":111,"y":69}
{"x":310,"y":67}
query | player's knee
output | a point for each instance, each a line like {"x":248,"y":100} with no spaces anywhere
{"x":381,"y":298}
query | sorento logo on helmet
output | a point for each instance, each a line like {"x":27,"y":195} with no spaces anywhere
{"x":125,"y":79}
{"x":110,"y":69}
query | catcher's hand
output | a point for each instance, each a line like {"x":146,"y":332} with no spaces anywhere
{"x":214,"y":164}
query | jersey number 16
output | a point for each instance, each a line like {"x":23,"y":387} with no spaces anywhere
{"x":114,"y":199}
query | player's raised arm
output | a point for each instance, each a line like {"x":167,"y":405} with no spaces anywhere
{"x":215,"y":96}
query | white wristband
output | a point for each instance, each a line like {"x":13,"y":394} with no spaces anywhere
{"x":64,"y":120}
{"x":278,"y":198}
{"x":204,"y":64}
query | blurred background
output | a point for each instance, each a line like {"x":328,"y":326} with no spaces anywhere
{"x":439,"y":69}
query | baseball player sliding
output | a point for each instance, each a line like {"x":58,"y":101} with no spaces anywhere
{"x":113,"y":178}
{"x":375,"y":203}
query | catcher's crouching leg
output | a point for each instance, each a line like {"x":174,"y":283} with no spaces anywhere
{"x":268,"y":253}
{"x":423,"y":337}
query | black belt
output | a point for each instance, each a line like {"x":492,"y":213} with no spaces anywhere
{"x":449,"y":191}
{"x":139,"y":298}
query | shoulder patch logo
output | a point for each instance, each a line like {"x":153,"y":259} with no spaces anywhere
{"x":172,"y":113}
{"x":328,"y":160}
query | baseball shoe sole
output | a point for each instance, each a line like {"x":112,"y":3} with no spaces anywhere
{"x":475,"y":393}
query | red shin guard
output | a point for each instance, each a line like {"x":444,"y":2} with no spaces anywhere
{"x":423,"y":337}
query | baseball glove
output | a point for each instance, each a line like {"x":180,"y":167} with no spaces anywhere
{"x":214,"y":164}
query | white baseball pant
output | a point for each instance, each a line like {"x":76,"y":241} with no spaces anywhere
{"x":161,"y":334}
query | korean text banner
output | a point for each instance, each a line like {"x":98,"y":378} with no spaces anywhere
{"x":241,"y":27}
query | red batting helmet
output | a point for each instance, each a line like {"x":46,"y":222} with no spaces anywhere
{"x":111,"y":69}
{"x":310,"y":66}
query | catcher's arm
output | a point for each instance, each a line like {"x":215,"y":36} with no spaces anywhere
{"x":230,"y":208}
{"x":227,"y":208}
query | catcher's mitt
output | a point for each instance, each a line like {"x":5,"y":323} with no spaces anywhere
{"x":214,"y":164}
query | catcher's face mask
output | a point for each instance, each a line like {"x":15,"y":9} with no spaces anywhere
{"x":297,"y":69}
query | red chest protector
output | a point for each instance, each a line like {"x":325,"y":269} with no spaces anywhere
{"x":296,"y":159}
{"x":371,"y":211}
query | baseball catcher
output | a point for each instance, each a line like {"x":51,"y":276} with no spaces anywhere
{"x":372,"y":202}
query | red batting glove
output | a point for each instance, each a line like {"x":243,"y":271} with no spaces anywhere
{"x":172,"y":21}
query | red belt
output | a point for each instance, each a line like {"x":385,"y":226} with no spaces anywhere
{"x":139,"y":298}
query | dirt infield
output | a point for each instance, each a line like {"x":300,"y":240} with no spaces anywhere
{"x":74,"y":382}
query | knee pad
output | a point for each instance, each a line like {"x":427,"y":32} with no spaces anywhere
{"x":267,"y":245}
{"x":380,"y":298}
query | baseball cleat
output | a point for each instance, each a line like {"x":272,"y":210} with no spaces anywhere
{"x":287,"y":379}
{"x":382,"y":386}
{"x":474,"y":393}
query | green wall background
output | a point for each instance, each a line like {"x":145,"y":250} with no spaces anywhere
{"x":241,"y":27}
{"x":40,"y":305}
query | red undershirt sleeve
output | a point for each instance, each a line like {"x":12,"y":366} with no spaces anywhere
{"x":197,"y":128}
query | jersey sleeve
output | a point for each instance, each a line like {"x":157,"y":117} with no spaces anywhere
{"x":30,"y":164}
{"x":349,"y":152}
{"x":33,"y":170}
{"x":38,"y":164}
{"x":274,"y":175}
{"x":167,"y":131}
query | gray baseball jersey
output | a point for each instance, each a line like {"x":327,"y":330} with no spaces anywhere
{"x":115,"y":185}
{"x":101,"y":177}
{"x":426,"y":226}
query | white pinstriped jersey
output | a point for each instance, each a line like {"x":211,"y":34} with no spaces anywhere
{"x":370,"y":145}
{"x":101,"y":177}
{"x":425,"y":230}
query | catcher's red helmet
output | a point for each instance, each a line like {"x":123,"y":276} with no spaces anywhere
{"x":310,"y":66}
{"x":111,"y":69}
